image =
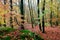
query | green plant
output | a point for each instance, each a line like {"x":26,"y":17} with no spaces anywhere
{"x":4,"y":30}
{"x":21,"y":35}
{"x":28,"y":34}
{"x":7,"y":38}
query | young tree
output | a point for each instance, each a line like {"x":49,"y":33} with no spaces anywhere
{"x":43,"y":24}
{"x":11,"y":22}
{"x":57,"y":16}
{"x":38,"y":14}
{"x":30,"y":9}
{"x":22,"y":13}
{"x":51,"y":14}
{"x":4,"y":15}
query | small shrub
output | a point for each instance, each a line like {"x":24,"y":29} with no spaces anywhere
{"x":29,"y":35}
{"x":20,"y":34}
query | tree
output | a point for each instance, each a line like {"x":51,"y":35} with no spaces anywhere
{"x":51,"y":14}
{"x":57,"y":15}
{"x":31,"y":14}
{"x":43,"y":25}
{"x":11,"y":22}
{"x":22,"y":13}
{"x":4,"y":15}
{"x":38,"y":14}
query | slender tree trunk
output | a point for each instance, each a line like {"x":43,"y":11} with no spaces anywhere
{"x":51,"y":15}
{"x":4,"y":15}
{"x":11,"y":22}
{"x":30,"y":12}
{"x":51,"y":19}
{"x":32,"y":19}
{"x":57,"y":17}
{"x":43,"y":24}
{"x":38,"y":14}
{"x":22,"y":13}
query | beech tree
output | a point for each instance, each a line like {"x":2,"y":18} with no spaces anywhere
{"x":43,"y":25}
{"x":11,"y":7}
{"x":4,"y":15}
{"x":22,"y":13}
{"x":39,"y":14}
{"x":51,"y":13}
{"x":31,"y":13}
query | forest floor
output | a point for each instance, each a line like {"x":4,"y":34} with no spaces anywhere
{"x":51,"y":33}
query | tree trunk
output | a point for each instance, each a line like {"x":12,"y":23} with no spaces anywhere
{"x":51,"y":15}
{"x":30,"y":12}
{"x":11,"y":22}
{"x":57,"y":17}
{"x":22,"y":13}
{"x":38,"y":14}
{"x":4,"y":15}
{"x":43,"y":24}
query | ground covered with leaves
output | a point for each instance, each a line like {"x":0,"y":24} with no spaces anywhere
{"x":16,"y":34}
{"x":51,"y":33}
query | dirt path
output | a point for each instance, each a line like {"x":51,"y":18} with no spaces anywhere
{"x":51,"y":33}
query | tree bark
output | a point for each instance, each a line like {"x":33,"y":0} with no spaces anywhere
{"x":11,"y":22}
{"x":38,"y":14}
{"x":4,"y":15}
{"x":22,"y":13}
{"x":51,"y":14}
{"x":31,"y":15}
{"x":57,"y":17}
{"x":43,"y":24}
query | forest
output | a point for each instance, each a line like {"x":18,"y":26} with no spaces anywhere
{"x":29,"y":19}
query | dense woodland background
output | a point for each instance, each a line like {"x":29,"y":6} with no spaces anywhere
{"x":35,"y":12}
{"x":29,"y":19}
